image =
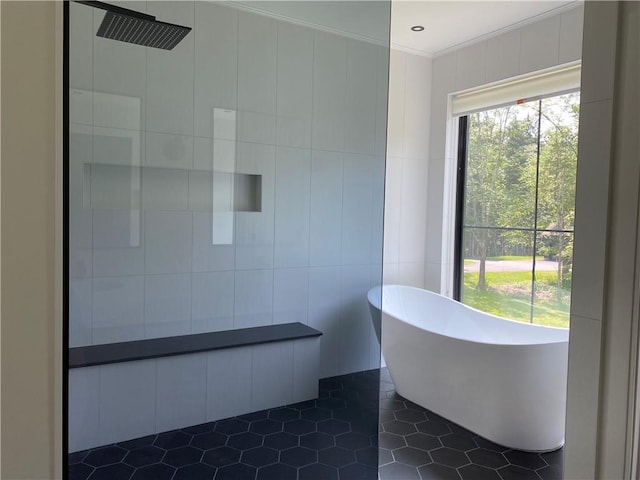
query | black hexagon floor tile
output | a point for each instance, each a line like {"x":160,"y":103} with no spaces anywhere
{"x":318,"y":471}
{"x":221,"y":456}
{"x":513,"y":472}
{"x":105,"y":456}
{"x":237,"y":471}
{"x":334,"y":437}
{"x":458,"y":442}
{"x":157,"y":471}
{"x":173,"y":439}
{"x":449,"y":457}
{"x":336,"y":457}
{"x":205,"y":441}
{"x":180,"y":457}
{"x":422,"y":441}
{"x":317,"y":440}
{"x":395,"y":471}
{"x":259,"y":456}
{"x":231,"y":426}
{"x":435,"y":471}
{"x":411,"y":456}
{"x":477,"y":472}
{"x":528,"y":460}
{"x":279,"y":471}
{"x":281,"y":441}
{"x":79,"y":471}
{"x":143,"y":456}
{"x":487,"y":458}
{"x":197,"y":471}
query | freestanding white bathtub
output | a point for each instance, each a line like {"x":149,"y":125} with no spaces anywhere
{"x":503,"y":380}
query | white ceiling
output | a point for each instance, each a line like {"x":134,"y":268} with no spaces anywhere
{"x":451,"y":24}
{"x":448,"y":24}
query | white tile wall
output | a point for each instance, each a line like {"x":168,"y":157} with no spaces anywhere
{"x":326,"y":208}
{"x":84,"y":408}
{"x":253,"y":298}
{"x":165,"y":189}
{"x":503,"y":56}
{"x":290,"y":295}
{"x":171,"y":151}
{"x":206,"y":256}
{"x":228,"y":389}
{"x":254,"y":230}
{"x":127,"y":401}
{"x":413,"y":198}
{"x":80,"y":217}
{"x":168,"y":237}
{"x":407,"y":164}
{"x":216,"y":63}
{"x":329,"y":91}
{"x":308,"y":112}
{"x":272,"y":375}
{"x":167,"y":305}
{"x":292,"y":203}
{"x":181,"y":391}
{"x":397,"y":80}
{"x":324,"y":315}
{"x":212,"y":301}
{"x":169,"y":84}
{"x":306,"y":365}
{"x":571,"y":35}
{"x":80,"y":311}
{"x":118,"y":309}
{"x":257,"y":51}
{"x":356,"y":212}
{"x":417,"y":107}
{"x":540,"y":45}
{"x":355,"y":321}
{"x":295,"y":80}
{"x":471,"y":64}
{"x":361,"y":97}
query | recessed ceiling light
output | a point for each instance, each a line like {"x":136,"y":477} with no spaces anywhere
{"x":417,"y":28}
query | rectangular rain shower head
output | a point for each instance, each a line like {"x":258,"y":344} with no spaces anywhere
{"x":139,"y":28}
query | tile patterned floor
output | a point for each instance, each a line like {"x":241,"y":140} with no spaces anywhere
{"x":334,"y":437}
{"x":415,"y":443}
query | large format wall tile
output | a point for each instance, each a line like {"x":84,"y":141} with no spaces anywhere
{"x":329,"y":91}
{"x":162,"y":242}
{"x":294,"y":91}
{"x":127,"y":401}
{"x":181,"y":391}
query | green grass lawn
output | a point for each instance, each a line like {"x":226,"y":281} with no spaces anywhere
{"x":514,"y":257}
{"x":507,"y":294}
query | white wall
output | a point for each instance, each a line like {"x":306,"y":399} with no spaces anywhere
{"x":546,"y":43}
{"x":407,"y":168}
{"x":603,"y":361}
{"x":311,"y":118}
{"x":31,"y":322}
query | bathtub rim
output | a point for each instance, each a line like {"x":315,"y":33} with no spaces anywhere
{"x":462,"y":305}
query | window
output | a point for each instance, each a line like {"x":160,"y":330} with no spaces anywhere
{"x":515,"y":211}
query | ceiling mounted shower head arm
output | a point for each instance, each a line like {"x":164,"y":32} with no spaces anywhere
{"x":129,"y":26}
{"x":115,"y":9}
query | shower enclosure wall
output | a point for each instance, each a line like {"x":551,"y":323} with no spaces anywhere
{"x":233,"y":182}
